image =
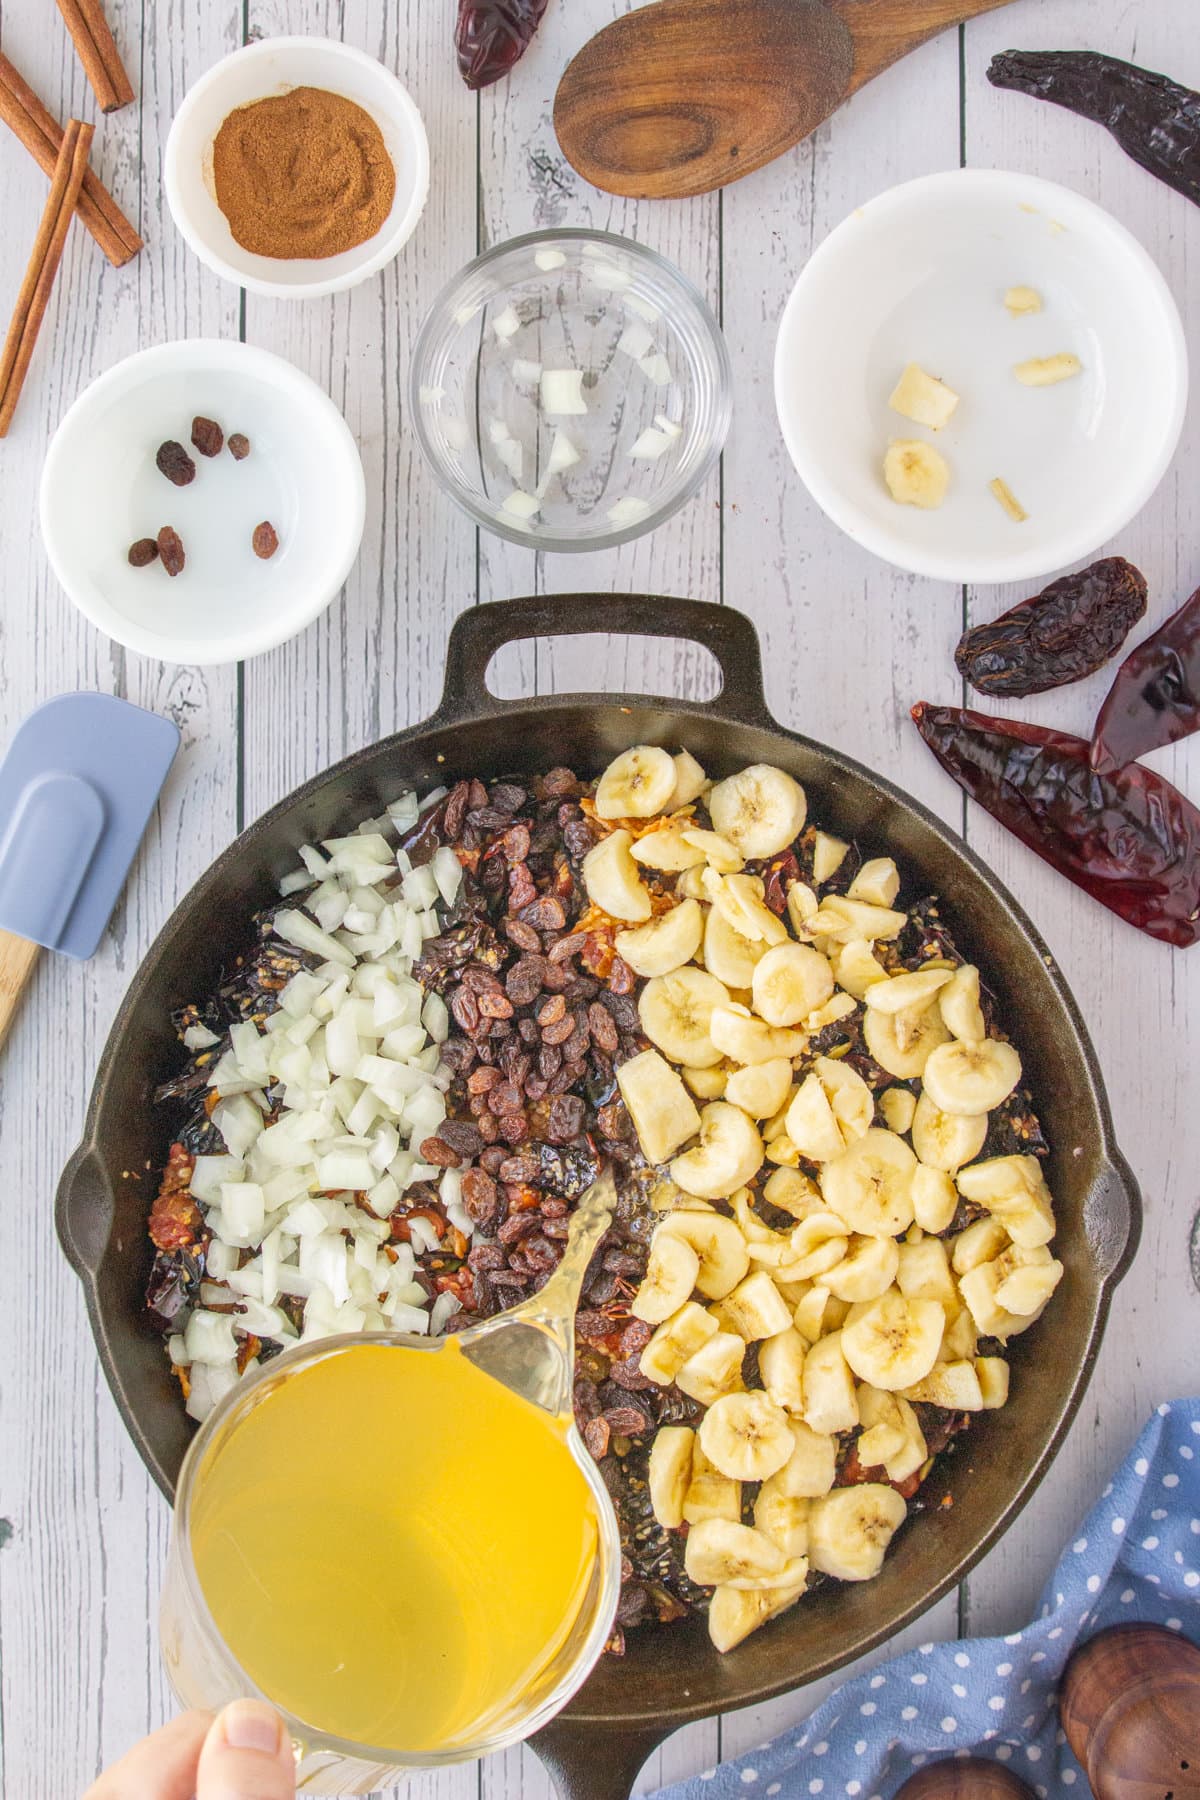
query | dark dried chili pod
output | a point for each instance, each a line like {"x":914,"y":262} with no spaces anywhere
{"x":1129,"y":839}
{"x":1155,"y":698}
{"x":492,"y":36}
{"x":1154,"y":119}
{"x":1063,"y":634}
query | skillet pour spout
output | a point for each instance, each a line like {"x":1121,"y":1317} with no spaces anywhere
{"x":669,"y":1675}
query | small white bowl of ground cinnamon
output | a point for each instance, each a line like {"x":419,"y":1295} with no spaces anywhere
{"x":297,"y":167}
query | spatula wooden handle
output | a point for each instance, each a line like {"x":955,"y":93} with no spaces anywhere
{"x":17,"y":957}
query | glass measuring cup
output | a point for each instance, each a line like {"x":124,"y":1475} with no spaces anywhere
{"x":529,"y":1350}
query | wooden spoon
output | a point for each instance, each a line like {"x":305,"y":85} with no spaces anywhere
{"x":685,"y":96}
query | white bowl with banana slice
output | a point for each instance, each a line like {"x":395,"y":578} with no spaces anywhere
{"x":850,"y":1229}
{"x":981,"y":376}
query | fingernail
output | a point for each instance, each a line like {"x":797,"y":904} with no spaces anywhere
{"x":251,"y":1725}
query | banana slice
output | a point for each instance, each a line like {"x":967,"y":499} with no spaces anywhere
{"x":782,"y":1517}
{"x":761,"y":810}
{"x":734,"y":1613}
{"x":877,"y":882}
{"x":922,"y":398}
{"x":801,"y":905}
{"x":670,"y":1277}
{"x":729,"y":1154}
{"x":879,"y":1443}
{"x":980,"y":1242}
{"x":719,"y":1551}
{"x":675,"y":1341}
{"x":849,"y":1530}
{"x":1014,"y":1191}
{"x":706,"y":1084}
{"x":916,"y":473}
{"x":718,"y":1244}
{"x":709,"y":1495}
{"x":666,"y":850}
{"x":690,"y":781}
{"x":863,"y":919}
{"x":666,"y":943}
{"x":751,"y":1225}
{"x":781,"y":1365}
{"x":739,"y":898}
{"x":830,"y":1403}
{"x":1026,"y":1290}
{"x":923,"y":1272}
{"x":828,"y":855}
{"x":906,"y":993}
{"x":669,"y":1473}
{"x":717,"y":852}
{"x":954,"y":1385}
{"x":738,"y":1035}
{"x":690,"y":885}
{"x":815,"y":1312}
{"x":946,"y":1140}
{"x":760,"y":1089}
{"x":902,"y":1043}
{"x":662,"y":1110}
{"x":960,"y":1008}
{"x":636,"y":785}
{"x":867,"y":1270}
{"x":715,"y":1370}
{"x":675,"y":1011}
{"x":894,"y":1414}
{"x":792,"y":1193}
{"x":898,"y":1106}
{"x":819,"y":1242}
{"x":855,"y":967}
{"x":961,"y":1342}
{"x":993,"y":1376}
{"x":971,"y":1078}
{"x":833,"y":1107}
{"x":755,"y":1309}
{"x":611,"y":878}
{"x":870,"y":1184}
{"x":790,"y":982}
{"x":747,"y":1438}
{"x":811,"y":1469}
{"x":934,"y":1198}
{"x":729,"y":955}
{"x":895,"y":1342}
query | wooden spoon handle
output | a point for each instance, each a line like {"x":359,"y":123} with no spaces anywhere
{"x":886,"y":30}
{"x":17,"y":957}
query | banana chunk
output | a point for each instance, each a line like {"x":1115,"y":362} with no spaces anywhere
{"x":719,"y":1551}
{"x":1014,"y":1191}
{"x":789,"y":983}
{"x":870,"y":1184}
{"x":690,"y":781}
{"x":781,"y":1365}
{"x":715,"y":1369}
{"x":895,"y":1342}
{"x":663,"y":1112}
{"x":747,"y":1438}
{"x":734,"y":1613}
{"x":958,"y":1002}
{"x":1047,"y":371}
{"x":676,"y":1010}
{"x":916,"y":474}
{"x":670,"y":1277}
{"x":745,"y":1039}
{"x":830,"y":1402}
{"x":718,"y":1244}
{"x":971,"y":1078}
{"x":760,"y":1089}
{"x":730,"y":1154}
{"x":729,"y":954}
{"x":611,"y":878}
{"x":666,"y":943}
{"x":946,"y":1141}
{"x":709,"y":1495}
{"x":923,"y":398}
{"x":761,"y":810}
{"x":849,"y":1530}
{"x":782,"y":1517}
{"x":669,"y":1473}
{"x":636,"y":785}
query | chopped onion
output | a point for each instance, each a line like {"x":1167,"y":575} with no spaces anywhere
{"x":239,"y":1122}
{"x":506,"y":324}
{"x":521,"y":505}
{"x":629,"y":510}
{"x":636,"y":340}
{"x":209,"y":1337}
{"x":443,"y":1310}
{"x":524,"y":370}
{"x":464,"y":314}
{"x":657,"y":368}
{"x":650,"y":445}
{"x":562,"y":391}
{"x":646,"y":308}
{"x":297,"y":929}
{"x":672,"y":429}
{"x":199,"y":1037}
{"x":608,"y":276}
{"x":549,"y":259}
{"x":429,"y":396}
{"x":292,"y":884}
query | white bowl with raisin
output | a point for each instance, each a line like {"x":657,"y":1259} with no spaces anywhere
{"x":1060,"y":346}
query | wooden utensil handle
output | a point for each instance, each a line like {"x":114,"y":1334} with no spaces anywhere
{"x":17,"y":957}
{"x":886,"y":30}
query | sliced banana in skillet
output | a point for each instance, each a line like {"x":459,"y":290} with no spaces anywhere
{"x":676,"y":1011}
{"x":761,"y":809}
{"x":960,"y":1008}
{"x":746,"y":1437}
{"x":895,"y":1342}
{"x":870,"y":1184}
{"x":971,"y":1078}
{"x":666,"y":943}
{"x":901,"y":1043}
{"x":946,"y":1140}
{"x":669,"y":1473}
{"x":718,"y":1244}
{"x":611,"y":878}
{"x":663,"y":1112}
{"x":730,"y":1153}
{"x":790,"y":982}
{"x":850,"y":1529}
{"x":670,"y":1278}
{"x":637,"y":784}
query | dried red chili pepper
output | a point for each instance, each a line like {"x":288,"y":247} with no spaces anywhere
{"x":1129,"y":839}
{"x":1155,"y":698}
{"x":493,"y":35}
{"x":1154,"y":119}
{"x":1063,"y":634}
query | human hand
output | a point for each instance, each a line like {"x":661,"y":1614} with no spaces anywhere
{"x":242,"y":1754}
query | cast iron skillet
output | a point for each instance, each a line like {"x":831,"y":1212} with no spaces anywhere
{"x":669,"y":1675}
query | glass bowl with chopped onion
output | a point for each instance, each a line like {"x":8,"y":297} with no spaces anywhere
{"x":571,"y":389}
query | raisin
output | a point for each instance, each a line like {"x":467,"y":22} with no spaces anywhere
{"x":495,"y":1006}
{"x":207,"y":436}
{"x":603,"y":1028}
{"x":626,"y":1421}
{"x":493,"y":1159}
{"x":265,"y":540}
{"x":480,"y":1196}
{"x":522,"y":890}
{"x":485,"y":1256}
{"x":463,"y":1003}
{"x":566,"y":1118}
{"x":514,"y":1128}
{"x":170,"y":548}
{"x":522,"y":935}
{"x":461,"y":1136}
{"x":506,"y":1098}
{"x":554,"y":1009}
{"x":173,"y":461}
{"x":559,"y":784}
{"x":239,"y":446}
{"x":143,"y":551}
{"x":546,"y":913}
{"x":596,"y":1434}
{"x":621,"y":978}
{"x":520,"y":1225}
{"x":523,"y":982}
{"x":481,"y":1079}
{"x":559,"y":1032}
{"x":437,"y":1150}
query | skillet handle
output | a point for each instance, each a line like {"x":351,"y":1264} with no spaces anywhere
{"x":478,"y":633}
{"x":1113,"y":1218}
{"x":83,"y":1212}
{"x":595,"y":1763}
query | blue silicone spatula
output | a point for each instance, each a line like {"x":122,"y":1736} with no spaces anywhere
{"x":77,"y":788}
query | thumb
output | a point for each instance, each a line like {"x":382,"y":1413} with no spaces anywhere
{"x":247,"y":1755}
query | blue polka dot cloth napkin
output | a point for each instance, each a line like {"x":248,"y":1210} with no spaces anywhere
{"x":1136,"y":1556}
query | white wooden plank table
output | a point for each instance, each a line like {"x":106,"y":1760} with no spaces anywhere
{"x":848,"y":645}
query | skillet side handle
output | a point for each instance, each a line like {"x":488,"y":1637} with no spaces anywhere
{"x":83,"y":1212}
{"x":586,"y":1763}
{"x":1113,"y":1219}
{"x":478,"y":633}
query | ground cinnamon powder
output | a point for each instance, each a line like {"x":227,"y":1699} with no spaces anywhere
{"x":302,"y":174}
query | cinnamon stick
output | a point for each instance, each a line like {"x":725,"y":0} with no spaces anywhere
{"x":97,"y":51}
{"x":38,"y":284}
{"x":41,"y":134}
